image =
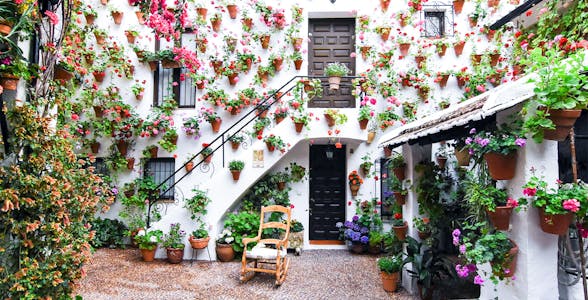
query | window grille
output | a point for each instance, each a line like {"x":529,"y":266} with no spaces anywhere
{"x":160,"y":169}
{"x":438,"y":19}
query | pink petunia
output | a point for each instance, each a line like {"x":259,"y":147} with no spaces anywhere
{"x":53,"y":19}
{"x":572,"y":205}
{"x":530,"y":192}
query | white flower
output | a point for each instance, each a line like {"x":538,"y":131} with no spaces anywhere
{"x":153,"y":239}
{"x":229,"y":240}
{"x":141,"y":232}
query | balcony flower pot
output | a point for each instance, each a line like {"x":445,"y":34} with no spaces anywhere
{"x":225,"y":252}
{"x":500,"y":217}
{"x":199,"y":243}
{"x":384,"y":5}
{"x":153,"y":152}
{"x":270,"y":147}
{"x":233,"y":79}
{"x":420,"y":61}
{"x":235,"y":145}
{"x":175,"y":255}
{"x":501,"y":167}
{"x":555,"y":224}
{"x":170,"y":64}
{"x":277,"y":62}
{"x":247,"y":23}
{"x":298,"y":64}
{"x":330,"y":120}
{"x":363,"y":124}
{"x":400,"y":231}
{"x":297,"y":44}
{"x":564,"y":120}
{"x":389,"y":281}
{"x":281,"y":185}
{"x":148,"y":254}
{"x":207,"y":158}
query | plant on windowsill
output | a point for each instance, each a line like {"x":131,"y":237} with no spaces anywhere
{"x":335,"y":71}
{"x":174,"y":244}
{"x":236,"y":166}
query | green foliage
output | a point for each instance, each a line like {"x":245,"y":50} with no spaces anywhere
{"x":242,"y":225}
{"x":396,"y":160}
{"x":340,"y":118}
{"x":336,"y":69}
{"x":108,"y":233}
{"x":236,"y":165}
{"x":427,"y":265}
{"x":296,"y":226}
{"x":175,"y":238}
{"x":149,"y":239}
{"x":376,"y":238}
{"x":554,"y":200}
{"x":390,"y":264}
{"x":198,"y":203}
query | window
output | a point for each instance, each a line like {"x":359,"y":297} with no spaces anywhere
{"x":160,"y":169}
{"x":100,"y":167}
{"x":184,"y":90}
{"x":434,"y":23}
{"x":385,"y":192}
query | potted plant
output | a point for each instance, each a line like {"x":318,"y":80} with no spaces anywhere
{"x":375,"y":242}
{"x":390,"y":267}
{"x":169,"y":140}
{"x":206,"y":153}
{"x":199,"y":237}
{"x":274,"y":142}
{"x":387,"y":118}
{"x":492,"y":201}
{"x":236,"y":166}
{"x":147,"y":242}
{"x":174,"y":244}
{"x":224,"y":245}
{"x":334,"y":117}
{"x":399,"y":226}
{"x":423,"y":227}
{"x":236,"y":140}
{"x":498,"y":148}
{"x":366,"y":113}
{"x":428,"y":267}
{"x":191,"y":126}
{"x":335,"y":71}
{"x":556,"y":207}
{"x":397,"y":164}
{"x":212,"y":117}
{"x":355,"y":182}
{"x":441,"y":155}
{"x":356,"y":233}
{"x":560,"y":92}
{"x":398,"y":189}
{"x":301,"y":119}
{"x":366,"y":165}
{"x":281,"y":178}
{"x":197,"y":204}
{"x":297,"y":172}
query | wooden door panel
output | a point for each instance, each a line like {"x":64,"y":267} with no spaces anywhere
{"x":332,"y":40}
{"x":327,"y":193}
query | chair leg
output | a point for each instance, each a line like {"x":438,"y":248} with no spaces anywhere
{"x":282,"y":271}
{"x":246,"y":275}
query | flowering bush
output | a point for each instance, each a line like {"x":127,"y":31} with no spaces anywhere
{"x":568,"y":197}
{"x":148,"y":239}
{"x":357,"y":230}
{"x":503,"y":141}
{"x":175,"y":237}
{"x":354,"y":178}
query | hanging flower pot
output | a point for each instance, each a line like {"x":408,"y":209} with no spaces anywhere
{"x":233,"y":79}
{"x":420,"y":60}
{"x":458,"y":48}
{"x":297,"y":44}
{"x":564,"y":120}
{"x":463,"y":157}
{"x":202,"y":11}
{"x":354,"y":189}
{"x":235,"y":145}
{"x":216,"y":124}
{"x":117,"y":16}
{"x":493,"y":3}
{"x":461,"y":81}
{"x":554,"y":224}
{"x":130,"y":37}
{"x":441,"y":161}
{"x":384,"y":4}
{"x":189,"y":166}
{"x":153,"y":151}
{"x":363,"y":124}
{"x":175,"y":255}
{"x":510,"y":261}
{"x":494,"y":59}
{"x":501,"y":167}
{"x":198,"y":243}
{"x":298,"y":64}
{"x":334,"y":82}
{"x":122,"y":147}
{"x":370,"y":137}
{"x":458,"y":6}
{"x":400,"y":198}
{"x":130,"y":163}
{"x":357,"y":248}
{"x":500,"y":217}
{"x":5,"y":29}
{"x":216,"y":24}
{"x":99,"y":75}
{"x":247,"y":23}
{"x":364,"y":51}
{"x":236,"y":174}
{"x":399,"y":172}
{"x":400,"y":231}
{"x":217,"y":65}
{"x":104,"y":2}
{"x":443,"y":80}
{"x":277,"y":62}
{"x":264,"y":40}
{"x":98,"y":111}
{"x":89,"y":19}
{"x":232,"y":8}
{"x":270,"y":147}
{"x":61,"y":74}
{"x":9,"y":81}
{"x":140,"y":18}
{"x":330,"y":120}
{"x":170,"y":64}
{"x":298,"y":126}
{"x":281,"y":185}
{"x":207,"y":158}
{"x":404,"y":47}
{"x":476,"y":59}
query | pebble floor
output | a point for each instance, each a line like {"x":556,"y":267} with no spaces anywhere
{"x":316,"y":274}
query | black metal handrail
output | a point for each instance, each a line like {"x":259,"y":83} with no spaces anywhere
{"x":265,"y":104}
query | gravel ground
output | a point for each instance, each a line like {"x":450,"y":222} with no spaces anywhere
{"x":316,"y":274}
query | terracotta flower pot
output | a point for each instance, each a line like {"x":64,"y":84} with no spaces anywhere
{"x":199,"y":243}
{"x":189,"y":166}
{"x":501,"y":167}
{"x":463,"y":157}
{"x":384,"y":4}
{"x":357,"y":248}
{"x":236,"y":174}
{"x":281,"y":185}
{"x":443,"y":81}
{"x":247,"y":23}
{"x":140,"y":18}
{"x":232,"y":78}
{"x":5,"y":29}
{"x":500,"y":217}
{"x":423,"y":235}
{"x":216,"y":124}
{"x":400,"y":231}
{"x":9,"y":81}
{"x":202,"y":11}
{"x":298,"y":126}
{"x":400,"y":198}
{"x":235,"y":145}
{"x":264,"y":40}
{"x":99,"y":76}
{"x":130,"y":163}
{"x":270,"y":147}
{"x":297,"y":44}
{"x":420,"y":60}
{"x":232,"y":8}
{"x":130,"y":37}
{"x":389,"y":281}
{"x":98,"y":111}
{"x":364,"y":50}
{"x":224,"y":252}
{"x":399,"y":172}
{"x":148,"y":255}
{"x":370,"y":137}
{"x":404,"y":47}
{"x":95,"y":147}
{"x":354,"y":189}
{"x":334,"y":82}
{"x":122,"y":147}
{"x":458,"y":48}
{"x":153,"y":152}
{"x":441,"y":161}
{"x":298,"y":64}
{"x":216,"y":25}
{"x":90,"y":19}
{"x":555,"y":224}
{"x":564,"y":120}
{"x":510,"y":261}
{"x":117,"y":17}
{"x":330,"y":120}
{"x":363,"y":124}
{"x":175,"y":255}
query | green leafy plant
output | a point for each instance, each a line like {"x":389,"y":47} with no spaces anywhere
{"x":375,"y":238}
{"x":175,"y":238}
{"x":569,"y":197}
{"x":396,"y":160}
{"x":109,"y":233}
{"x":296,"y":226}
{"x":197,"y":204}
{"x":242,"y":225}
{"x":336,"y":69}
{"x":390,"y":264}
{"x":387,"y":118}
{"x":149,"y":239}
{"x":236,"y":165}
{"x":297,"y":172}
{"x":275,"y":141}
{"x":340,"y":118}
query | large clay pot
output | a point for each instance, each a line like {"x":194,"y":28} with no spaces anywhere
{"x":225,"y":252}
{"x":199,"y":243}
{"x":501,"y":167}
{"x":555,"y":224}
{"x":564,"y":120}
{"x":389,"y":281}
{"x":175,"y":255}
{"x":500,"y":217}
{"x":148,"y":255}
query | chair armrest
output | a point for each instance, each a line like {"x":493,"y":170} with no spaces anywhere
{"x":249,"y":240}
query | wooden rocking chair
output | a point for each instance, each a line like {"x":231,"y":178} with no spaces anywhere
{"x":267,"y":259}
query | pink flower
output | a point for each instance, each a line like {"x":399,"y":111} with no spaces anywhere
{"x":530,"y":192}
{"x":352,"y":54}
{"x":53,"y":19}
{"x":512,"y":202}
{"x":572,"y":205}
{"x":75,"y":117}
{"x":478,"y":280}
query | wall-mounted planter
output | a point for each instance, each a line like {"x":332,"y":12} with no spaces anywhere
{"x":117,"y":16}
{"x":233,"y":9}
{"x":501,"y":167}
{"x":99,"y":75}
{"x":236,"y":174}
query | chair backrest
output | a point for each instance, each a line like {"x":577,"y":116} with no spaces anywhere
{"x":279,"y":225}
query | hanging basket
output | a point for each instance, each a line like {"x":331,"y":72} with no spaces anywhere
{"x":564,"y":120}
{"x":555,"y":224}
{"x":500,"y":217}
{"x":501,"y":167}
{"x":399,"y":172}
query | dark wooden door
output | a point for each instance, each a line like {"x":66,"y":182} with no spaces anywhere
{"x":332,"y":40}
{"x":327,"y":192}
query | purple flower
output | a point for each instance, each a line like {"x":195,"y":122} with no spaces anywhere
{"x":348,"y":224}
{"x":364,"y":239}
{"x":473,"y":131}
{"x":462,"y":249}
{"x":471,"y":267}
{"x":114,"y":191}
{"x":520,"y":142}
{"x":483,"y":142}
{"x":456,"y":233}
{"x":356,"y":227}
{"x":355,"y":218}
{"x":468,"y":140}
{"x":364,"y":230}
{"x":462,"y":272}
{"x":478,"y":280}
